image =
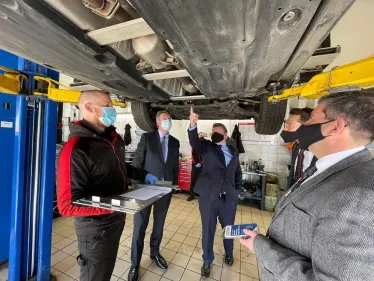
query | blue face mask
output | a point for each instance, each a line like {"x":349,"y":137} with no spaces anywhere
{"x":109,"y":116}
{"x":166,"y":125}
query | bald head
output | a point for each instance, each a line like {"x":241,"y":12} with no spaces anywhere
{"x":93,"y":97}
{"x":90,"y":104}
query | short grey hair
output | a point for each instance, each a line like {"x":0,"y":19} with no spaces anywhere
{"x":356,"y":108}
{"x":161,"y":112}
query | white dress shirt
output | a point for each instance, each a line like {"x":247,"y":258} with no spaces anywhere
{"x":327,"y":161}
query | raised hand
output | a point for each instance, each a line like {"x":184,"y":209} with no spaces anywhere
{"x":193,"y":117}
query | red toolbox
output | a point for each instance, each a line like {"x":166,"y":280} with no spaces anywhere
{"x":184,"y":177}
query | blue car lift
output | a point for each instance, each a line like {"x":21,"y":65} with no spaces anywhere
{"x":28,"y":139}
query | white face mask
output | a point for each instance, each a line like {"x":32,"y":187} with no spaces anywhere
{"x":166,"y":125}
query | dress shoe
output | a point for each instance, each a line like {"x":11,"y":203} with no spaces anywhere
{"x":191,"y":197}
{"x":160,"y":261}
{"x":133,"y":274}
{"x":229,"y":261}
{"x":205,"y":270}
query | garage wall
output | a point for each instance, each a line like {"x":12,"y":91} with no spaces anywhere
{"x":270,"y":149}
{"x":354,"y":33}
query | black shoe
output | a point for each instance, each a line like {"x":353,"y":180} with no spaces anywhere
{"x":133,"y":274}
{"x":191,"y":197}
{"x":160,"y":261}
{"x":205,"y":270}
{"x":229,"y":261}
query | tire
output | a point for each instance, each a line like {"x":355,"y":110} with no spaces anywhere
{"x":271,"y":116}
{"x":142,"y":116}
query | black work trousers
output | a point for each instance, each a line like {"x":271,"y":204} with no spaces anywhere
{"x":225,"y":210}
{"x":195,"y":173}
{"x":98,"y":253}
{"x":141,"y":219}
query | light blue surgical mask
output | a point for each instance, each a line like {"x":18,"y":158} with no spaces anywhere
{"x":109,"y":116}
{"x":166,"y":125}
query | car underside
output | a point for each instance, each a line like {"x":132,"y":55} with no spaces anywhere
{"x":225,"y":57}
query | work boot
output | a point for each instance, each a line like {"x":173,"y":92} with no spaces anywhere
{"x":229,"y":261}
{"x":191,"y":197}
{"x":205,"y":270}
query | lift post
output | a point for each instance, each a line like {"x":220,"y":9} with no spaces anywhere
{"x":32,"y":123}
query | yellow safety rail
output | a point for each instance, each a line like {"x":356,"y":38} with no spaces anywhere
{"x":360,"y":74}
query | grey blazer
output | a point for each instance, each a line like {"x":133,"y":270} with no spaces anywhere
{"x":324,"y":230}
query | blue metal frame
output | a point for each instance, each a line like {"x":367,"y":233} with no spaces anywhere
{"x":18,"y":190}
{"x":23,"y":175}
{"x":6,"y":166}
{"x":46,"y":191}
{"x":32,"y":114}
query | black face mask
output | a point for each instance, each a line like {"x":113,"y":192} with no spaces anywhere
{"x":289,"y":136}
{"x":201,"y":138}
{"x":217,"y":137}
{"x":309,"y":134}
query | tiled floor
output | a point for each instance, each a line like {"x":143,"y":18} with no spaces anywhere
{"x":181,"y":247}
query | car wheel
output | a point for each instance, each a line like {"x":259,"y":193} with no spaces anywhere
{"x":143,"y":116}
{"x":271,"y":116}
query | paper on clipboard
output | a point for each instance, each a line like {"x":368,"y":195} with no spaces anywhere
{"x":143,"y":194}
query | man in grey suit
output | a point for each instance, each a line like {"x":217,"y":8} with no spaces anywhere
{"x":323,"y":228}
{"x":158,"y":153}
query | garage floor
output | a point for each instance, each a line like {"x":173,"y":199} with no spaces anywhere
{"x":181,"y":247}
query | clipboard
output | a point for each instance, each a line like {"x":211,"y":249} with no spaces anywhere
{"x":138,"y":198}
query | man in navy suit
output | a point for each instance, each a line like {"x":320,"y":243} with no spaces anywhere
{"x":218,"y":187}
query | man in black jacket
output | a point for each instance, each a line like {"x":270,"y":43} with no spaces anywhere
{"x":218,"y":187}
{"x":92,"y":162}
{"x":301,"y":159}
{"x":158,"y":153}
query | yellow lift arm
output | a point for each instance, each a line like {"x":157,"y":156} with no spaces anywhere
{"x":11,"y":83}
{"x":359,"y":73}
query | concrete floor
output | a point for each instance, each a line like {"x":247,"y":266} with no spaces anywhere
{"x":181,"y":247}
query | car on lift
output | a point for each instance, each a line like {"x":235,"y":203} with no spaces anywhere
{"x":225,"y":57}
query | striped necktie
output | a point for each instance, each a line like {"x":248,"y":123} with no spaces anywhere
{"x":163,"y":145}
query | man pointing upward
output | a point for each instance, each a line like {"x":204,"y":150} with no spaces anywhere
{"x":217,"y":186}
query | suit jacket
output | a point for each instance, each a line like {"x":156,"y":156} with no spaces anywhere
{"x":215,"y":170}
{"x":148,"y":156}
{"x":324,"y":229}
{"x":295,"y":152}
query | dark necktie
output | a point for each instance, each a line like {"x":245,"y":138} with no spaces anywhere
{"x":299,"y":165}
{"x":163,"y":146}
{"x":223,"y":186}
{"x":308,"y":173}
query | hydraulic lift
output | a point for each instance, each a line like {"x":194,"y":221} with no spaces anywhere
{"x":28,"y":139}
